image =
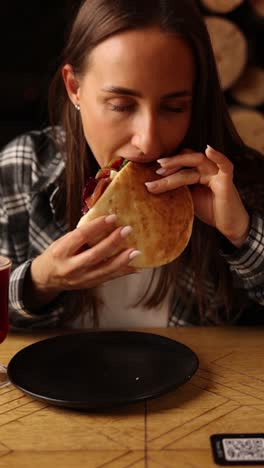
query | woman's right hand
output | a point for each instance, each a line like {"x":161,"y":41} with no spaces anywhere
{"x":65,"y":265}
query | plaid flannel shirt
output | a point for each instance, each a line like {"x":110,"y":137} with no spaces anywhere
{"x":31,"y":218}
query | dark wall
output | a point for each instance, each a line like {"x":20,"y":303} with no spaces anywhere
{"x":31,"y":38}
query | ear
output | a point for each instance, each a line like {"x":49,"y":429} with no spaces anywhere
{"x":71,"y":83}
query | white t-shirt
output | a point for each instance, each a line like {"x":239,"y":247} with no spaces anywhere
{"x":118,"y":299}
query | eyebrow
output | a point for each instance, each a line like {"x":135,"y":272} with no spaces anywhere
{"x":132,"y":92}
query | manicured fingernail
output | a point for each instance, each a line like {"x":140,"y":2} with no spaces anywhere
{"x":125,"y":231}
{"x":110,"y":219}
{"x":134,"y":254}
{"x":210,"y":147}
{"x":163,"y":160}
{"x":151,"y":185}
{"x":161,"y":171}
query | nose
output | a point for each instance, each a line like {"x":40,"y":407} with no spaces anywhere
{"x":147,"y":136}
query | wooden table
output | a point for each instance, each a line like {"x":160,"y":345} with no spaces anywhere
{"x":225,"y":395}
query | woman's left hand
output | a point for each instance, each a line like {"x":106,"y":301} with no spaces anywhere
{"x":215,"y":197}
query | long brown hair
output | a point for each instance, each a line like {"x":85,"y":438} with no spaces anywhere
{"x":97,"y":20}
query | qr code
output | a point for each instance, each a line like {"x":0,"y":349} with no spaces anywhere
{"x":243,"y":449}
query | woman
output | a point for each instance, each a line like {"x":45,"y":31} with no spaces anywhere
{"x":138,"y":82}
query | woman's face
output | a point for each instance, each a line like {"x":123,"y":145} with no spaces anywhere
{"x":136,"y":95}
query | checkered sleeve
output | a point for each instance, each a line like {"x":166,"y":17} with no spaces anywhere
{"x":247,"y":262}
{"x":15,"y":182}
{"x":19,"y":169}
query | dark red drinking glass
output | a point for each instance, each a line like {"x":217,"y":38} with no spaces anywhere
{"x":5,"y":266}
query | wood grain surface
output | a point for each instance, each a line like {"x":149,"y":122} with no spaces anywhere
{"x":225,"y":395}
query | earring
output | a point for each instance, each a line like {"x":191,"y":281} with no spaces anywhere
{"x":77,"y":107}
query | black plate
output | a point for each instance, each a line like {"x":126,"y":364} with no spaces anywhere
{"x":90,"y":370}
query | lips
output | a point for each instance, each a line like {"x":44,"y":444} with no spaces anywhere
{"x":141,"y":160}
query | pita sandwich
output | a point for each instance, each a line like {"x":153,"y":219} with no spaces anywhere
{"x":161,"y":224}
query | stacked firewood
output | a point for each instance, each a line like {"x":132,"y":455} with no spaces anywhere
{"x":236,"y":29}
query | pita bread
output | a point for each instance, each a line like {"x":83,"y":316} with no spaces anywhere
{"x":161,"y":224}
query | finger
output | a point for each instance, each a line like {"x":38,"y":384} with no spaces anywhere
{"x":165,"y":172}
{"x":120,"y":263}
{"x":197,"y":161}
{"x":164,"y":160}
{"x":182,"y":160}
{"x":173,"y":181}
{"x":113,"y":268}
{"x":104,"y":249}
{"x":223,"y":163}
{"x":72,"y":242}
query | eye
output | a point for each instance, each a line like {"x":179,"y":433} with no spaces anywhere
{"x":125,"y":108}
{"x":177,"y":108}
{"x":120,"y":105}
